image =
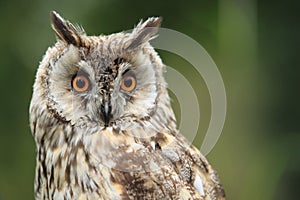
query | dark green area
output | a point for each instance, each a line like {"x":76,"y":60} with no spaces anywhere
{"x":255,"y":44}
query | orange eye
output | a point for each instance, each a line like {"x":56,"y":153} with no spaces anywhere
{"x":128,"y":82}
{"x":80,"y":83}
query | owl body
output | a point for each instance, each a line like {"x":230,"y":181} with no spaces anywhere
{"x":103,"y":125}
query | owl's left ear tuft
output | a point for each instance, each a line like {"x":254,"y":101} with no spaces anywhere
{"x":66,"y":31}
{"x":145,"y":31}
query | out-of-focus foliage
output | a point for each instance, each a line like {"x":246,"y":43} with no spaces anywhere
{"x":253,"y":43}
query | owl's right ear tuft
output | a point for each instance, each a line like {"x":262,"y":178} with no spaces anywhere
{"x":66,"y":31}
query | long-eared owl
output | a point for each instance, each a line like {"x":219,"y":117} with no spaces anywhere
{"x":103,"y":124}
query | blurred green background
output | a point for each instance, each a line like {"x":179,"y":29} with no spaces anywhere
{"x":255,"y":44}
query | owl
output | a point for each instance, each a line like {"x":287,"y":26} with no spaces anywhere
{"x":103,"y":124}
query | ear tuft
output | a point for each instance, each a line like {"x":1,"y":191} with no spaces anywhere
{"x":152,"y":22}
{"x":145,"y":31}
{"x":66,"y":31}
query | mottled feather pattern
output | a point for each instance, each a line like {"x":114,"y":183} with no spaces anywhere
{"x":107,"y":143}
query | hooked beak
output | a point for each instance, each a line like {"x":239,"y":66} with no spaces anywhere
{"x":106,"y":110}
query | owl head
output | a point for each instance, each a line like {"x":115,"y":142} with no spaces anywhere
{"x":101,"y":81}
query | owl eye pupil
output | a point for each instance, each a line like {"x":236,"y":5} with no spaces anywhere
{"x":80,"y":83}
{"x":128,"y":82}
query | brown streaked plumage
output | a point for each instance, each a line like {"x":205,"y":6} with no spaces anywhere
{"x":103,"y":125}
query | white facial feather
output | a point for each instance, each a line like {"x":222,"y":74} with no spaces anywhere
{"x":199,"y":185}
